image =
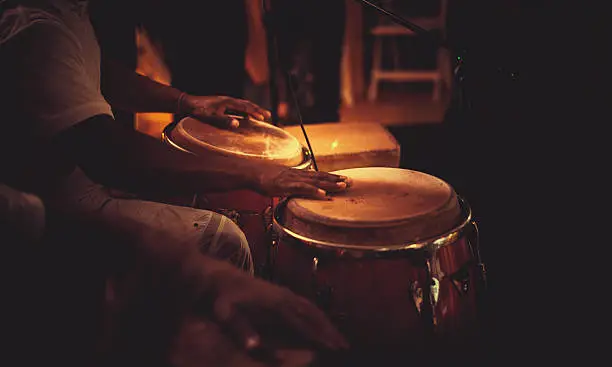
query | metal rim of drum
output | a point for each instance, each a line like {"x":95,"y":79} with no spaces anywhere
{"x":359,"y":251}
{"x":166,"y":133}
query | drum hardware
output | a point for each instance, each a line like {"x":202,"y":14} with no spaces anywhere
{"x":272,"y":241}
{"x":323,"y":294}
{"x":475,"y":247}
{"x":267,"y":218}
{"x":417,"y":293}
{"x":166,"y":138}
{"x":461,"y":280}
{"x":430,"y":288}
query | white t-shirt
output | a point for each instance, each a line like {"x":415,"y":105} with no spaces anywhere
{"x":50,"y":81}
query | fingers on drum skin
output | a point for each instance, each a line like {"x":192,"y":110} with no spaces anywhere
{"x":329,"y":186}
{"x":339,"y":182}
{"x":323,"y":176}
{"x":303,"y":189}
{"x":238,"y":105}
{"x":219,"y":121}
{"x":252,"y":109}
{"x":322,"y":181}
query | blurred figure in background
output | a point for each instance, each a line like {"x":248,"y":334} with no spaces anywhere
{"x":310,"y":37}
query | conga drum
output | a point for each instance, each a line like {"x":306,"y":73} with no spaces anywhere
{"x":393,"y":260}
{"x":253,"y":140}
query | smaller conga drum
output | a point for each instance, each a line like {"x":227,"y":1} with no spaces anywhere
{"x":253,"y":140}
{"x":393,"y":260}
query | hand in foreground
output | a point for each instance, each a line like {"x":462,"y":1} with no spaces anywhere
{"x":200,"y":342}
{"x":253,"y":309}
{"x":283,"y":181}
{"x":212,"y":110}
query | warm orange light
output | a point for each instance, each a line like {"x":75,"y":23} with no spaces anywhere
{"x":334,"y":144}
{"x":150,"y":63}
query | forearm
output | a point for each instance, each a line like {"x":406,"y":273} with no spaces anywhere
{"x":125,"y":159}
{"x":159,"y":168}
{"x":129,"y":91}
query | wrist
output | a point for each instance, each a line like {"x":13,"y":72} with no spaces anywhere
{"x":184,"y":104}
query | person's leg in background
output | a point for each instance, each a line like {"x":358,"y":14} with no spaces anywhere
{"x":288,"y":29}
{"x":310,"y":36}
{"x":325,"y":22}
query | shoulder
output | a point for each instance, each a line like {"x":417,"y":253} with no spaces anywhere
{"x":35,"y":29}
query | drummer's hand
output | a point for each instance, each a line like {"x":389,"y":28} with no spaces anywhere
{"x":212,"y":109}
{"x":283,"y":181}
{"x":252,"y":309}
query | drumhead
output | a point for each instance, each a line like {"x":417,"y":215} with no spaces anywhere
{"x":253,"y":139}
{"x":383,"y":205}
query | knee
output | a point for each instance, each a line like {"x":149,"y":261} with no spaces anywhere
{"x":234,"y":240}
{"x":229,"y":243}
{"x":231,"y":236}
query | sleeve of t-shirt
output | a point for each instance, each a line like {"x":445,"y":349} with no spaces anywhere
{"x":49,"y":80}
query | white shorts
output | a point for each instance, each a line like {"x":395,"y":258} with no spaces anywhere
{"x":213,"y":233}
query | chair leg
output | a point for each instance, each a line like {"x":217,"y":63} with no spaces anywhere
{"x":442,"y":82}
{"x":376,"y":67}
{"x":396,"y":54}
{"x":437,"y":88}
{"x":445,"y":65}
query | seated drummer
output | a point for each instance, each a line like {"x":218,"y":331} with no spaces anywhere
{"x":62,"y":143}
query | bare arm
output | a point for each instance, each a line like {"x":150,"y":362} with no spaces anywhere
{"x":122,"y":158}
{"x":129,"y":91}
{"x":118,"y":157}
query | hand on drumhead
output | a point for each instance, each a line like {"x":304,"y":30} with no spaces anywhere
{"x":253,"y":310}
{"x":283,"y":181}
{"x":212,"y":110}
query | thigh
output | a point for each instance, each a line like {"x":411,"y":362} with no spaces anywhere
{"x":212,"y":233}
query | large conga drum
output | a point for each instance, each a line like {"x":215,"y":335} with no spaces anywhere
{"x":393,"y":260}
{"x":253,"y":140}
